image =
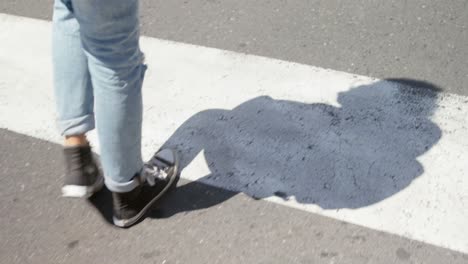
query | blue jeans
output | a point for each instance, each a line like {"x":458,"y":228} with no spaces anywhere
{"x":98,"y":75}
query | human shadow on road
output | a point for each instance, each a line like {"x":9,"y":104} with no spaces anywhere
{"x":350,"y":156}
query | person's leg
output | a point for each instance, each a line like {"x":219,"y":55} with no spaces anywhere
{"x":74,"y":101}
{"x":72,"y":83}
{"x":110,"y":37}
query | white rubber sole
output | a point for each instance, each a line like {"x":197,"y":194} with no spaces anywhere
{"x":78,"y":191}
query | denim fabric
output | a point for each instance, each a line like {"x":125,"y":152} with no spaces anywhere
{"x":98,"y":75}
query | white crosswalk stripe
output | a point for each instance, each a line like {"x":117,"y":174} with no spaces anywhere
{"x":349,"y":147}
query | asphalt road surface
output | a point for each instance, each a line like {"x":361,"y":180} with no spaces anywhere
{"x":219,"y":100}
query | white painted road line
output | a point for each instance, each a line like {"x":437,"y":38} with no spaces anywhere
{"x":350,"y":147}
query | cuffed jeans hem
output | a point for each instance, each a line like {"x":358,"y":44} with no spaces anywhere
{"x":76,"y":126}
{"x":120,"y":187}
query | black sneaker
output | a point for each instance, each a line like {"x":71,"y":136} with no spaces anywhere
{"x":157,"y":177}
{"x":82,"y":178}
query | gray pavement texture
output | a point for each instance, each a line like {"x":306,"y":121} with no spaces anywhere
{"x":197,"y":223}
{"x":421,"y":39}
{"x":194,"y":224}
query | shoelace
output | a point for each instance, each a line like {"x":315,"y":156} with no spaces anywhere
{"x":154,"y":173}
